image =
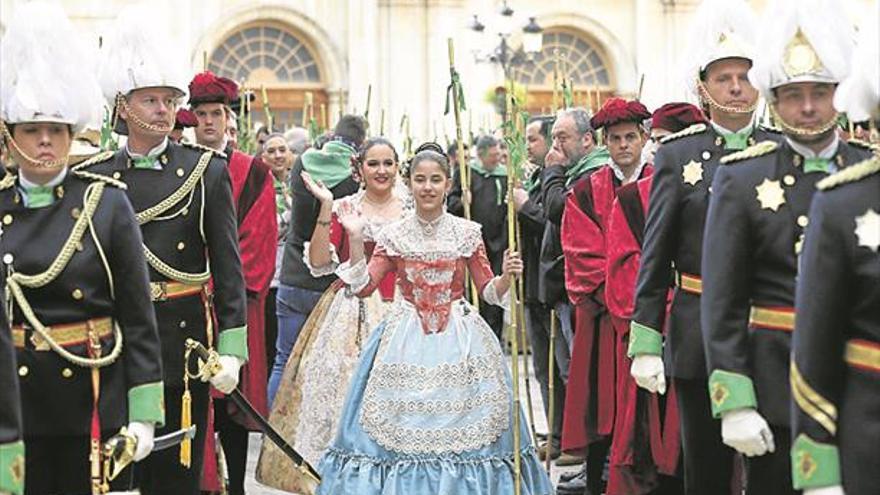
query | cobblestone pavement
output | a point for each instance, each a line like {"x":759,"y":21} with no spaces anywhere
{"x":254,"y":488}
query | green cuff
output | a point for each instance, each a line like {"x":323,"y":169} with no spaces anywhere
{"x":644,"y":340}
{"x":814,"y":464}
{"x":12,"y":467}
{"x":146,"y":403}
{"x":728,"y":391}
{"x":233,"y":342}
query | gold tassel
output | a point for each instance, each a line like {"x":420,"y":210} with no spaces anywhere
{"x":186,"y":422}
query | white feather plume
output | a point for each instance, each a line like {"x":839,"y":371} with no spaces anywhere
{"x":45,"y":69}
{"x":140,"y":52}
{"x":732,"y":18}
{"x":824,"y":25}
{"x":859,"y":94}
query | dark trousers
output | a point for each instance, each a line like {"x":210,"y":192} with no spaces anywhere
{"x":161,"y":472}
{"x":597,"y":460}
{"x":708,"y":463}
{"x":57,"y":465}
{"x":770,"y":474}
{"x":234,"y":440}
{"x":293,"y":307}
{"x":271,"y":325}
{"x":538,"y":327}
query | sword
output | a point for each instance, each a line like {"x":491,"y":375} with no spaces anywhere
{"x":118,"y":451}
{"x":264,"y":425}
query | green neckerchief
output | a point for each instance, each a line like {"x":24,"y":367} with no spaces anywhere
{"x":500,"y":174}
{"x":150,"y":161}
{"x":39,"y":196}
{"x":817,"y":164}
{"x":735,"y":141}
{"x":533,"y":181}
{"x":330,"y":164}
{"x":594,"y":159}
{"x":280,"y":196}
{"x":147,"y":162}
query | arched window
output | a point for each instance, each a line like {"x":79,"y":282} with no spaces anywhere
{"x":272,"y":56}
{"x":582,"y":60}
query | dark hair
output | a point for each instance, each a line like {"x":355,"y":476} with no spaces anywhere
{"x":452,"y":149}
{"x":375,"y":141}
{"x":581,"y":118}
{"x":546,"y":129}
{"x":351,"y":129}
{"x":485,"y":142}
{"x":429,"y":152}
{"x":272,"y":135}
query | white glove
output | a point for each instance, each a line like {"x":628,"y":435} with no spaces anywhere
{"x":143,"y":432}
{"x":648,"y":372}
{"x":825,"y":490}
{"x":746,"y":431}
{"x":227,"y":378}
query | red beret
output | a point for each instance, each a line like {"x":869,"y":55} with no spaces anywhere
{"x":617,"y":110}
{"x":208,"y":88}
{"x":184,"y":119}
{"x":675,"y":117}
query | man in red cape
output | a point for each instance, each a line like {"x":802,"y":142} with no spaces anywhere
{"x":588,"y":420}
{"x":254,"y":195}
{"x":646,"y":446}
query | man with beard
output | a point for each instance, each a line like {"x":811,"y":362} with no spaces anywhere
{"x":755,"y":231}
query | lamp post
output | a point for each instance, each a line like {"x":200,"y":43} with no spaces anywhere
{"x":504,"y":54}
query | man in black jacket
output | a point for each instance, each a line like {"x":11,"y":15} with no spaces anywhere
{"x":298,"y":291}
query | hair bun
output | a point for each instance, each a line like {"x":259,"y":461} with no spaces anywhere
{"x":430,"y":146}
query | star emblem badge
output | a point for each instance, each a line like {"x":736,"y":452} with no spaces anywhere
{"x":692,"y":173}
{"x":868,"y":230}
{"x":719,"y":394}
{"x":770,"y":194}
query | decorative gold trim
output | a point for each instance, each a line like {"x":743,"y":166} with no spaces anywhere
{"x":688,"y":131}
{"x":65,"y":335}
{"x":852,"y":173}
{"x":689,"y":283}
{"x":811,"y":402}
{"x":760,"y":149}
{"x":863,"y":354}
{"x":772,"y":318}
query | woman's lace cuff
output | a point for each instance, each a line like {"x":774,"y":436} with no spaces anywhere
{"x":321,"y":271}
{"x":490,"y":295}
{"x":355,"y":276}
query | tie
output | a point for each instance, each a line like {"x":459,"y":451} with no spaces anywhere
{"x":39,"y":196}
{"x":737,"y":140}
{"x":147,"y":162}
{"x":817,"y":165}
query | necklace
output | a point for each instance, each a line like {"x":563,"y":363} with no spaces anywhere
{"x":429,"y":227}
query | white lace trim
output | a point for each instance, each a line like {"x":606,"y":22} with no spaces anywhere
{"x":452,"y":238}
{"x":490,"y":295}
{"x":473,"y":391}
{"x":356,"y":276}
{"x":321,"y":271}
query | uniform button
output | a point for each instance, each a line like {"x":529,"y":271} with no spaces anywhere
{"x":788,"y":180}
{"x":59,"y":191}
{"x":116,"y":175}
{"x":75,"y":213}
{"x":706,"y":155}
{"x":163,"y":159}
{"x":77,"y":294}
{"x":180,"y":172}
{"x":67,"y":373}
{"x":803,"y":221}
{"x":180,"y":246}
{"x":182,"y":324}
{"x":8,"y":258}
{"x":718,"y":141}
{"x":7,"y":219}
{"x":797,"y":160}
{"x":23,"y":371}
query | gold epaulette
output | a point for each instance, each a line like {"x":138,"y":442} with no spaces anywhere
{"x":858,"y":143}
{"x":690,"y":131}
{"x":852,"y":173}
{"x":100,"y":177}
{"x":754,"y":151}
{"x":7,"y":181}
{"x":199,"y":147}
{"x":98,"y":158}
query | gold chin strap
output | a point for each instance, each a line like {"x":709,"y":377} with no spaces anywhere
{"x":802,"y":131}
{"x":47,"y":164}
{"x":705,"y":96}
{"x":134,"y":119}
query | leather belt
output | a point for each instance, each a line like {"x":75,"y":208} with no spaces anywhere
{"x":863,"y":354}
{"x":692,"y":284}
{"x":778,"y":318}
{"x":65,"y":335}
{"x":166,"y":291}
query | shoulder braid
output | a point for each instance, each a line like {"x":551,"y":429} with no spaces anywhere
{"x":99,"y":158}
{"x":199,"y":147}
{"x":689,"y":131}
{"x":83,"y":174}
{"x":754,"y":151}
{"x":853,"y":173}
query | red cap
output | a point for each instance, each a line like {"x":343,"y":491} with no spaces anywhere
{"x":208,"y":88}
{"x":184,"y":119}
{"x":617,"y":110}
{"x":675,"y":117}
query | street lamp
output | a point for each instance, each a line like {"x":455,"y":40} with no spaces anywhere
{"x":504,"y":54}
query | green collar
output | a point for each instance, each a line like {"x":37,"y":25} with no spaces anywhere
{"x":498,"y":171}
{"x":330,"y":164}
{"x":594,"y":159}
{"x":735,"y":141}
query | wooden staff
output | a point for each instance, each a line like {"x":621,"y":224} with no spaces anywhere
{"x":555,"y":80}
{"x":520,"y":288}
{"x":382,"y":122}
{"x":324,"y":123}
{"x":367,"y":108}
{"x":641,"y":86}
{"x":266,"y":110}
{"x":551,"y":389}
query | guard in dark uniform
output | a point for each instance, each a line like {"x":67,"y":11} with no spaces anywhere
{"x":11,"y":438}
{"x":754,"y":232}
{"x":835,"y":370}
{"x":183,"y":199}
{"x":87,"y":347}
{"x":672,"y":251}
